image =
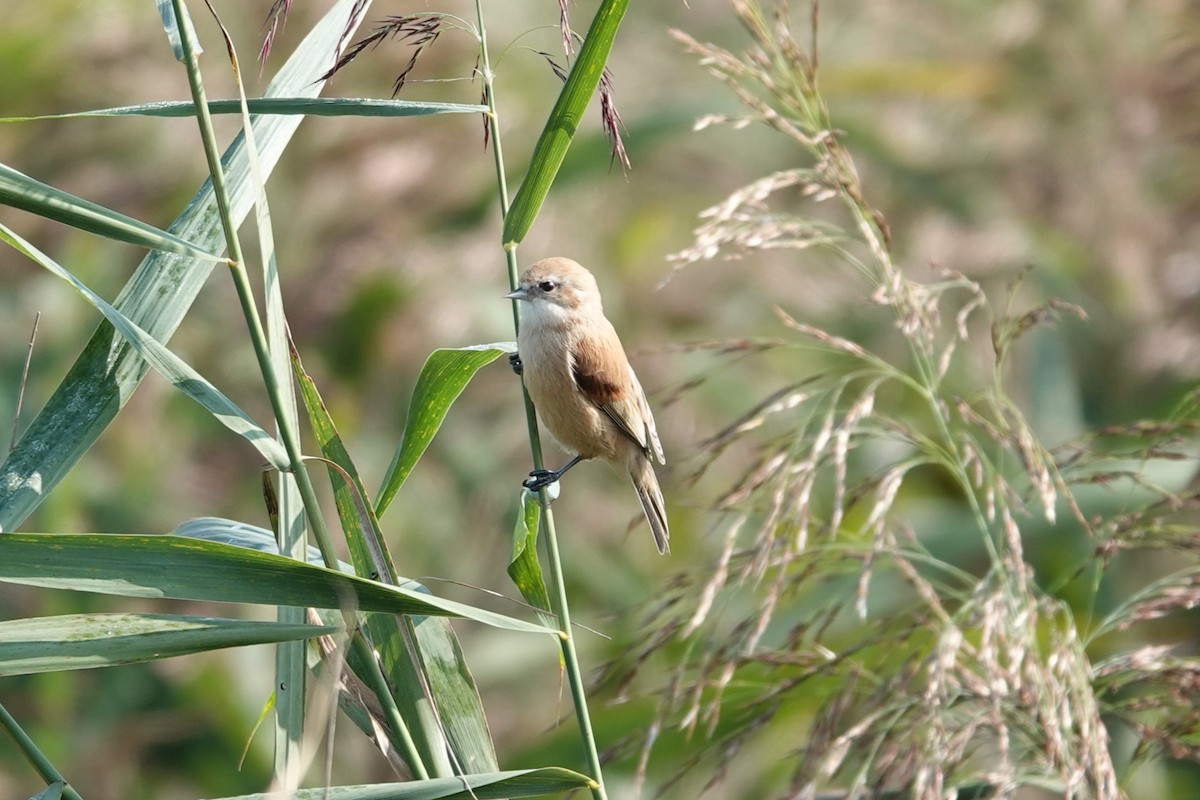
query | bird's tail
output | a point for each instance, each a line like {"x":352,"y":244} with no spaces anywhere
{"x":641,"y":472}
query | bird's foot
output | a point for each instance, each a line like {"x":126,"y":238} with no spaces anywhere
{"x":514,"y":360}
{"x":540,"y":479}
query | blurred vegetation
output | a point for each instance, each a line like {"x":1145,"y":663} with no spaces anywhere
{"x":1041,"y":150}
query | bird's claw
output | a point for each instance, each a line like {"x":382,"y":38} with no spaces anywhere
{"x":514,"y":360}
{"x":540,"y":479}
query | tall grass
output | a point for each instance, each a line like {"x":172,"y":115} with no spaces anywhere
{"x":358,"y":637}
{"x":880,"y":643}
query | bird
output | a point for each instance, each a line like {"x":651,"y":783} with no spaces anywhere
{"x":580,"y":381}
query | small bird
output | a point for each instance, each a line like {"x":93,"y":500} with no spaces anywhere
{"x":580,"y":381}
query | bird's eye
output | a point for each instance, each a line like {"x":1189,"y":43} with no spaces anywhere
{"x":547,"y":286}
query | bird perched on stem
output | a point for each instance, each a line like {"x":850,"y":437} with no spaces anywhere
{"x":580,"y":381}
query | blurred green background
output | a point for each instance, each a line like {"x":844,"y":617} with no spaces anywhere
{"x":992,"y":136}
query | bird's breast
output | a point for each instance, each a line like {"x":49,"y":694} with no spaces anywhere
{"x":570,"y":417}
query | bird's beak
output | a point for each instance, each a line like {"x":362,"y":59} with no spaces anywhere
{"x":519,"y":294}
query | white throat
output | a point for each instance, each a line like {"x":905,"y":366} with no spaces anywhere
{"x":544,"y":314}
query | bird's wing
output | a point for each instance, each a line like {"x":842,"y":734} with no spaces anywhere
{"x":654,"y":446}
{"x":606,"y":379}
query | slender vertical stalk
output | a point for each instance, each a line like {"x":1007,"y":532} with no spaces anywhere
{"x":241,"y":282}
{"x":287,"y":430}
{"x":12,"y":443}
{"x":570,"y":657}
{"x":34,"y":755}
{"x":566,"y":640}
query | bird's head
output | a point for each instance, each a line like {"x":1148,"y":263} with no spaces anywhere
{"x":558,"y":288}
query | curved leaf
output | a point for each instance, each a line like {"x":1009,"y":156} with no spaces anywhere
{"x":523,"y":566}
{"x":21,"y":191}
{"x":243,"y":534}
{"x":84,"y":641}
{"x":166,"y":363}
{"x":287,"y":106}
{"x":443,"y":378}
{"x":190,"y":569}
{"x":551,"y":147}
{"x":486,"y":786}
